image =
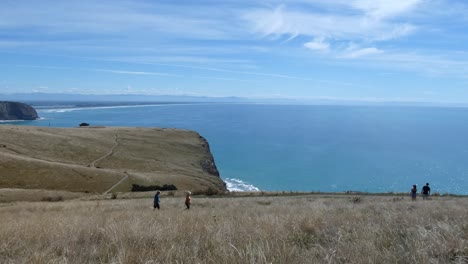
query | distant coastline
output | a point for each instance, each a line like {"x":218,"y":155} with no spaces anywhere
{"x":90,"y":99}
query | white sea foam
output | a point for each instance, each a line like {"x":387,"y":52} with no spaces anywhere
{"x":18,"y":121}
{"x":60,"y":110}
{"x":8,"y":121}
{"x":236,"y":185}
{"x":70,"y":109}
{"x":64,"y":110}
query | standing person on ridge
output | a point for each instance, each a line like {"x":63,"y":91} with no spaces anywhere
{"x":156,"y":200}
{"x":413,"y":192}
{"x":187,"y":200}
{"x":426,"y":190}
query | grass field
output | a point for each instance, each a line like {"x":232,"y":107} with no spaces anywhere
{"x":274,"y":229}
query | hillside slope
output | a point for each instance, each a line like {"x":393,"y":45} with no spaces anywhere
{"x":101,"y":159}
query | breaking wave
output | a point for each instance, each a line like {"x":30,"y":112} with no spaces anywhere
{"x":10,"y":121}
{"x":236,"y":185}
{"x":63,"y":110}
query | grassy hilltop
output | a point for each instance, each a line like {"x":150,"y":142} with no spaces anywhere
{"x":104,"y":159}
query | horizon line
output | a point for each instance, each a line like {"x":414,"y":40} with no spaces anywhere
{"x":298,"y":99}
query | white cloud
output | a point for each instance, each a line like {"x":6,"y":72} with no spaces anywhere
{"x":317,"y":44}
{"x":381,"y":9}
{"x":290,"y":22}
{"x":40,"y":89}
{"x":360,"y":21}
{"x":354,"y":53}
{"x":72,"y":90}
{"x":433,"y":65}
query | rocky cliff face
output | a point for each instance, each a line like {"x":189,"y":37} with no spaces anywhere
{"x":208,"y":164}
{"x":17,"y":111}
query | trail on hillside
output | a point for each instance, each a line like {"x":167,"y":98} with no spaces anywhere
{"x":108,"y":154}
{"x":117,"y":184}
{"x":111,"y":151}
{"x":73,"y":166}
{"x":26,"y":158}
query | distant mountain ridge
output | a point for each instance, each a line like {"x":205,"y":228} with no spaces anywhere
{"x":116,"y":98}
{"x":141,"y":98}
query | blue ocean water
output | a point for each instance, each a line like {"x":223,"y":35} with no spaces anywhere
{"x":309,"y":147}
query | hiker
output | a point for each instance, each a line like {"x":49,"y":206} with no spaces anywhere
{"x":426,"y":190}
{"x":187,"y":200}
{"x":156,"y":200}
{"x":413,"y":192}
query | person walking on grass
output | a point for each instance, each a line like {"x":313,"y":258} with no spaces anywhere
{"x":188,"y":200}
{"x":156,"y":200}
{"x":413,"y":192}
{"x":426,"y":190}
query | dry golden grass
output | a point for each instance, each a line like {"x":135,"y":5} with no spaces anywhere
{"x":15,"y":195}
{"x":94,"y":159}
{"x":295,"y":229}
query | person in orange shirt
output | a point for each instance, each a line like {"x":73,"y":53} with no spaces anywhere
{"x":187,"y":200}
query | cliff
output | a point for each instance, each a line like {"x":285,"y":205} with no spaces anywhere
{"x":105,"y":159}
{"x":17,"y":111}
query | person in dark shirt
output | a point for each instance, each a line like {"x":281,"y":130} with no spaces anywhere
{"x":413,"y":192}
{"x":426,"y":190}
{"x":156,"y":200}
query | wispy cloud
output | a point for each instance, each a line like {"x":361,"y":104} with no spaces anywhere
{"x":367,"y":21}
{"x":112,"y":18}
{"x":221,"y":70}
{"x":352,"y":53}
{"x":40,"y":89}
{"x":383,"y":9}
{"x":135,"y":72}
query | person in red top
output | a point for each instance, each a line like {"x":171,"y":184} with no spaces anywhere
{"x":187,"y":200}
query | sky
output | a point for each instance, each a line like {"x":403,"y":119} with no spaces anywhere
{"x":366,"y":50}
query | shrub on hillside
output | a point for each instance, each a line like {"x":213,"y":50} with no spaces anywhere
{"x":52,"y":199}
{"x":356,"y":199}
{"x":208,"y":192}
{"x":143,"y":188}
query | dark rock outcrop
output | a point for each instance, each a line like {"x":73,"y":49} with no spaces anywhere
{"x":208,"y":165}
{"x":17,"y":111}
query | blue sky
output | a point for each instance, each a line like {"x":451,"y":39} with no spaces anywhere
{"x":370,"y":50}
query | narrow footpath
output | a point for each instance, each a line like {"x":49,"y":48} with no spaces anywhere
{"x":111,"y":151}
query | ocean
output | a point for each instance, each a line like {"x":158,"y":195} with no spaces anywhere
{"x":306,"y":147}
